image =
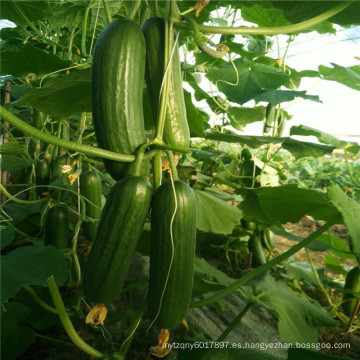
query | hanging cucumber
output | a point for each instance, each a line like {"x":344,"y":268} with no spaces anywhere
{"x":268,"y":239}
{"x":117,"y":80}
{"x":42,"y":175}
{"x":90,"y":188}
{"x":57,"y":227}
{"x":352,"y":285}
{"x":170,"y":291}
{"x":257,"y":250}
{"x":119,"y":228}
{"x":176,"y":130}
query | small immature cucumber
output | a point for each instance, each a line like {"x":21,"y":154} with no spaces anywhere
{"x":119,"y":228}
{"x":56,"y":167}
{"x":352,"y":284}
{"x":170,"y":291}
{"x":91,"y":189}
{"x":117,"y":81}
{"x":257,"y":250}
{"x":42,"y":174}
{"x":176,"y":130}
{"x":57,"y":227}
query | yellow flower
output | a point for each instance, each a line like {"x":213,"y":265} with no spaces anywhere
{"x":72,"y":178}
{"x":199,"y":6}
{"x":98,"y":312}
{"x":161,"y":350}
{"x":47,"y":156}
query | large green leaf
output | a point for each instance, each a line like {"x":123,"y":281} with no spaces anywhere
{"x":287,"y":203}
{"x":196,"y":117}
{"x":297,"y":148}
{"x":15,"y":338}
{"x":264,"y":17}
{"x":241,"y":116}
{"x":215,"y":215}
{"x":31,"y":265}
{"x":15,"y":163}
{"x":299,"y":320}
{"x":62,"y":96}
{"x":18,"y":212}
{"x":247,"y":81}
{"x":21,"y":61}
{"x":348,"y":76}
{"x":350,"y":212}
{"x":323,"y":137}
{"x":33,"y":10}
{"x":7,"y":236}
{"x":278,"y":96}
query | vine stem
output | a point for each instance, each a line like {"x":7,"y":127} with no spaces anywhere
{"x":288,"y":29}
{"x":107,"y":11}
{"x":66,"y":322}
{"x":133,"y":326}
{"x":134,"y":8}
{"x":19,"y":201}
{"x":261,"y":269}
{"x":172,"y":164}
{"x":234,"y":322}
{"x":169,"y":36}
{"x":38,"y":300}
{"x":83,"y":33}
{"x":70,"y":145}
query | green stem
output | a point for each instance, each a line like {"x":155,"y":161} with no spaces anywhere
{"x":107,"y":11}
{"x":288,"y":29}
{"x":317,"y":278}
{"x":134,"y":8}
{"x":37,"y":134}
{"x":83,"y":34}
{"x":169,"y":36}
{"x":155,"y":8}
{"x":54,"y":340}
{"x":133,"y":326}
{"x":231,"y":174}
{"x":234,"y":322}
{"x":70,"y":145}
{"x":261,"y":269}
{"x":157,"y":171}
{"x":172,"y":164}
{"x":71,"y":40}
{"x":19,"y":201}
{"x":349,"y":169}
{"x":66,"y":322}
{"x":38,"y":300}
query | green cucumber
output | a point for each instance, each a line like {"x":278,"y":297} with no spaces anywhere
{"x":57,"y":227}
{"x":42,"y":175}
{"x":176,"y":129}
{"x":169,"y":296}
{"x":268,"y":239}
{"x":119,"y":228}
{"x":90,"y":188}
{"x":352,"y":285}
{"x":117,"y":80}
{"x":56,"y":167}
{"x":257,"y":250}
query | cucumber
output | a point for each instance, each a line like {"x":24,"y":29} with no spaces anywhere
{"x":168,"y":308}
{"x":56,"y":167}
{"x":42,"y":175}
{"x":119,"y":228}
{"x":57,"y":227}
{"x":117,"y":80}
{"x":268,"y":239}
{"x":90,"y":188}
{"x":257,"y":250}
{"x":176,"y":130}
{"x":352,"y":285}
